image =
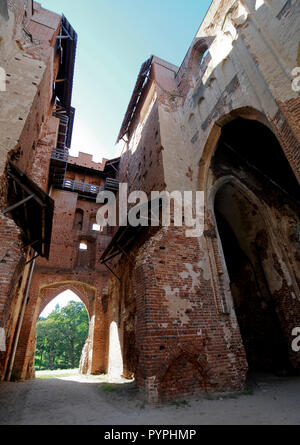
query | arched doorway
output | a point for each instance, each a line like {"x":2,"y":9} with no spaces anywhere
{"x":62,"y":331}
{"x":255,"y":209}
{"x":87,"y":295}
{"x":80,"y":291}
{"x":41,"y":295}
{"x":244,"y":239}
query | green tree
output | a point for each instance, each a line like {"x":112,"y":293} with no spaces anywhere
{"x":61,"y":337}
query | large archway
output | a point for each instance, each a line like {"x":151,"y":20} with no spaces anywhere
{"x":256,"y":214}
{"x":87,"y":294}
{"x":84,"y":291}
{"x":62,"y":331}
{"x":43,"y":291}
{"x":245,"y":242}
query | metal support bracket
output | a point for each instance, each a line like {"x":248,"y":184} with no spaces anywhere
{"x":106,"y":265}
{"x":32,"y":259}
{"x":18,"y":204}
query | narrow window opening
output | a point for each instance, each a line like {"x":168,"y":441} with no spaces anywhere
{"x":83,"y":245}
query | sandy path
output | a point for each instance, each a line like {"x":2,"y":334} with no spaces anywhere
{"x":84,"y":401}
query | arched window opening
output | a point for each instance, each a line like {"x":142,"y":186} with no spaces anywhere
{"x":62,"y":330}
{"x":193,"y":128}
{"x":83,"y":246}
{"x":204,"y":58}
{"x":78,"y":220}
{"x":200,"y":59}
{"x":87,"y":254}
{"x":95,"y":227}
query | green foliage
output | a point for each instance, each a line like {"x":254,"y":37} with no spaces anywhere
{"x":55,"y":374}
{"x":180,"y":403}
{"x":61,"y":337}
{"x":108,"y":388}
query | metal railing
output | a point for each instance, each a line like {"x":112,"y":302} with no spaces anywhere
{"x":62,"y":129}
{"x":111,"y":185}
{"x":60,"y":155}
{"x":79,"y":186}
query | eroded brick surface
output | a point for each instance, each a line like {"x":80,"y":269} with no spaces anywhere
{"x":193,"y":315}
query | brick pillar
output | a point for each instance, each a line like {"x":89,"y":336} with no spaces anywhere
{"x":100,"y":336}
{"x":185,"y":345}
{"x":24,"y":359}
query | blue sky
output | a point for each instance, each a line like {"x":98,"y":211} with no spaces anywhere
{"x":115,"y":38}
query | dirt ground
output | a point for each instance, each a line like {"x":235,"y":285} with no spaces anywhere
{"x":80,"y":400}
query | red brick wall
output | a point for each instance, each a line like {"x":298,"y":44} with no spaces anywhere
{"x":287,"y":128}
{"x":11,"y":263}
{"x":68,"y":268}
{"x":46,"y":285}
{"x":186,"y":320}
{"x":86,"y":160}
{"x":31,"y":153}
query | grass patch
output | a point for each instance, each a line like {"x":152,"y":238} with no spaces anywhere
{"x":230,"y":395}
{"x":143,"y":405}
{"x":108,"y":388}
{"x":180,"y":403}
{"x":54,"y":374}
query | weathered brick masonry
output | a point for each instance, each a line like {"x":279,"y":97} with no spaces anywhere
{"x":193,"y":315}
{"x":36,"y":129}
{"x":69,"y":268}
{"x":200,"y":312}
{"x":26,"y":139}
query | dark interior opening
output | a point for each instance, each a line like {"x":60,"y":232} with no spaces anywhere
{"x":248,"y":143}
{"x":264,"y":343}
{"x":251,"y":152}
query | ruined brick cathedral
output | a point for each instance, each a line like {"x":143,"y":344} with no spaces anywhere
{"x":192,"y":315}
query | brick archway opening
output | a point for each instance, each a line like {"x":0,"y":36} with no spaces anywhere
{"x":243,"y":244}
{"x":260,"y":256}
{"x":83,"y":291}
{"x":41,"y":295}
{"x":251,"y":145}
{"x":255,"y":121}
{"x":73,"y":347}
{"x":87,"y":294}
